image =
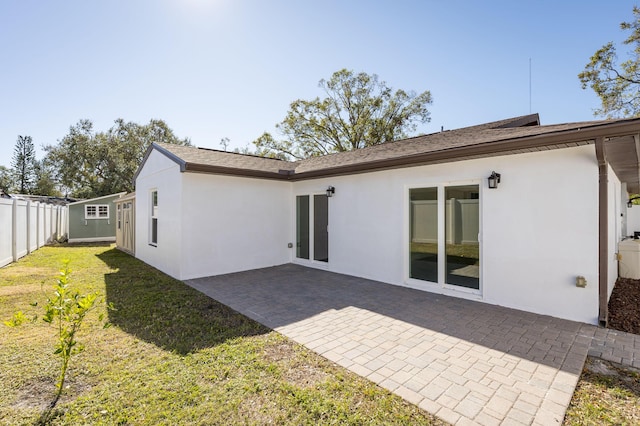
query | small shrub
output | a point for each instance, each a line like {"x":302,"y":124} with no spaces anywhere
{"x":66,"y":311}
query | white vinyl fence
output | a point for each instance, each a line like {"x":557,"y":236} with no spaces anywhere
{"x":461,"y":217}
{"x":25,"y":226}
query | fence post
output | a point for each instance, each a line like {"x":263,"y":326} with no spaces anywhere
{"x":14,"y":229}
{"x":28,"y":226}
{"x":38,"y":226}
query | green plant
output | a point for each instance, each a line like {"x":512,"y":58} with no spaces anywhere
{"x":66,"y":310}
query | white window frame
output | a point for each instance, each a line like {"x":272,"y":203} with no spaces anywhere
{"x":311,"y":261}
{"x":100,"y":211}
{"x":153,"y":216}
{"x":441,"y":286}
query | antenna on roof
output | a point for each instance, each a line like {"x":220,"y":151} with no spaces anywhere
{"x":529,"y":85}
{"x":225,"y":142}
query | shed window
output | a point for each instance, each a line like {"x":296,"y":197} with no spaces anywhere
{"x":96,"y":211}
{"x":154,"y":218}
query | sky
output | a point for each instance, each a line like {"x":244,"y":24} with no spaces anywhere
{"x":214,"y":69}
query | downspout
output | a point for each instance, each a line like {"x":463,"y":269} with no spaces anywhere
{"x":603,"y":232}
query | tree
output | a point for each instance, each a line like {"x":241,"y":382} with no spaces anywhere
{"x":358,"y":111}
{"x":44,"y":182}
{"x":91,"y":164}
{"x":5,"y":179}
{"x":23,"y":164}
{"x":616,"y":83}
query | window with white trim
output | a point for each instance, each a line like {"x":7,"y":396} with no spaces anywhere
{"x":96,"y":211}
{"x":153,"y":240}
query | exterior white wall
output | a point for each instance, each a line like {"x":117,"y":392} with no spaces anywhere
{"x":615,"y":227}
{"x":539,"y":229}
{"x":233,"y":224}
{"x":162,"y":174}
{"x":210,"y":224}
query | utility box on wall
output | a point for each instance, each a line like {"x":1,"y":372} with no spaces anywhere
{"x":629,"y":259}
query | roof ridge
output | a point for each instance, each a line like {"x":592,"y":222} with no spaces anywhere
{"x":220,"y":151}
{"x":241,"y":153}
{"x":512,"y":122}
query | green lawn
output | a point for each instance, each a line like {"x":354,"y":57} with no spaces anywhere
{"x":172,"y":356}
{"x":608,"y":395}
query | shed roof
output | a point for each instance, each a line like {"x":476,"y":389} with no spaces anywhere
{"x":101,"y":198}
{"x":509,"y":136}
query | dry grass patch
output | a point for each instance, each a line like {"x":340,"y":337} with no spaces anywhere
{"x":607,"y":393}
{"x":19,"y":290}
{"x":293,"y":360}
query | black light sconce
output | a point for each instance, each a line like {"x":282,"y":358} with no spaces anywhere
{"x":494,"y":180}
{"x":630,"y":202}
{"x":330,"y":191}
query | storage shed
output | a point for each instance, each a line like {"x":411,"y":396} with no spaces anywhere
{"x":93,"y":220}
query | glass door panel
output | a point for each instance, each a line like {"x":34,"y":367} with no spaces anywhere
{"x":320,"y":228}
{"x":423,"y":238}
{"x":462,"y":225}
{"x":302,"y":226}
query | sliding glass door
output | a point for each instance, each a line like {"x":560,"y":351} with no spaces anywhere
{"x":424,"y":234}
{"x":462,"y":224}
{"x":445,"y":250}
{"x":321,"y":228}
{"x":302,"y":227}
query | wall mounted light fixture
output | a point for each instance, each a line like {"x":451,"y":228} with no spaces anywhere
{"x":330,"y":191}
{"x":494,"y":180}
{"x":630,"y":202}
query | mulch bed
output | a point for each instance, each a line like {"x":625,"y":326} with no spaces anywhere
{"x":624,"y":306}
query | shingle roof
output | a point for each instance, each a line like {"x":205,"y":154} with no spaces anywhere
{"x":518,"y":134}
{"x":232,"y":160}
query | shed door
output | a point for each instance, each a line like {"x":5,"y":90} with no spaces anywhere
{"x":119,"y":224}
{"x":128,"y":227}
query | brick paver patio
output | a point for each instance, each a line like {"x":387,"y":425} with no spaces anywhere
{"x":466,"y":362}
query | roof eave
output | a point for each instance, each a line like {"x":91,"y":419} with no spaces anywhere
{"x":588,"y":134}
{"x":210,"y":169}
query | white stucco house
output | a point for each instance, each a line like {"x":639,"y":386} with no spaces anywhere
{"x":418,"y":212}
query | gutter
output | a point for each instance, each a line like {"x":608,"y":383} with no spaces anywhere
{"x":603,"y":232}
